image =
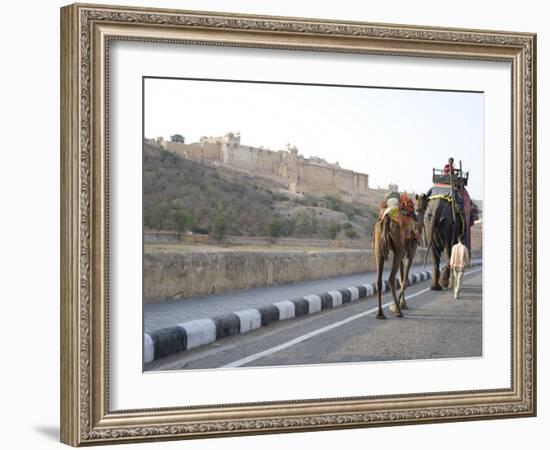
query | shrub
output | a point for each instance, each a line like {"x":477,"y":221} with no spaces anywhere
{"x":274,"y":228}
{"x":333,"y":230}
{"x":180,"y":220}
{"x":199,"y":230}
{"x":220,"y":228}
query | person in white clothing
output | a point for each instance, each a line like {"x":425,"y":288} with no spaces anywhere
{"x":460,"y":260}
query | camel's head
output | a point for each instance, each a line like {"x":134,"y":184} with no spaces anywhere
{"x":421,"y":206}
{"x":421,"y":203}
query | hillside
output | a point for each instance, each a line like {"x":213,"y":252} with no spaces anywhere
{"x":207,"y":198}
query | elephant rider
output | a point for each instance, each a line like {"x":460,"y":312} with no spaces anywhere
{"x":462,"y":201}
{"x":449,"y":167}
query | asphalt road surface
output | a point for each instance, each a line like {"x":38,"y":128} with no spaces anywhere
{"x":435,"y":326}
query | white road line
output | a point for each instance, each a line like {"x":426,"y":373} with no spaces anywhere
{"x":304,"y":337}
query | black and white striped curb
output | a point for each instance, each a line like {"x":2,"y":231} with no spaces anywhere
{"x":194,"y":333}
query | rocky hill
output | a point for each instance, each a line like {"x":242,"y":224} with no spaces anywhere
{"x":180,"y":193}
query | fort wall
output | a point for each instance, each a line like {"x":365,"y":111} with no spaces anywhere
{"x":203,"y":151}
{"x":255,"y":159}
{"x":300,"y":174}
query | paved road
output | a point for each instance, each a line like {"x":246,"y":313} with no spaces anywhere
{"x":172,"y":312}
{"x":435,"y":326}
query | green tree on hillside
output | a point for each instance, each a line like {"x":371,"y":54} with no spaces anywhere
{"x":289,"y":225}
{"x":334,"y":202}
{"x":220,"y":228}
{"x":314,"y":222}
{"x":148,"y":219}
{"x":307,"y":223}
{"x":181,"y":221}
{"x":177,"y":138}
{"x":158,"y":216}
{"x":333,"y":230}
{"x":351,"y":234}
{"x":347,"y":226}
{"x":274,"y":228}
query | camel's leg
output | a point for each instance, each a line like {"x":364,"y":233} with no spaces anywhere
{"x":436,"y":260}
{"x":395,"y":267}
{"x":402,"y":280}
{"x":410,"y":258}
{"x":379,"y":271}
{"x":411,"y":251}
{"x":404,"y":276}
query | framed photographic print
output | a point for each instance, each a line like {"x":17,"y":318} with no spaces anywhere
{"x":276,"y":224}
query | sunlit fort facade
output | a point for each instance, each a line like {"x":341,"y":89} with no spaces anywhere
{"x":298,"y":173}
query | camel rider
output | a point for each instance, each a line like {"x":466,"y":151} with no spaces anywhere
{"x":393,"y":199}
{"x":400,"y":209}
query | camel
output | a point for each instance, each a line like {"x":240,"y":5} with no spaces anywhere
{"x":387,"y":236}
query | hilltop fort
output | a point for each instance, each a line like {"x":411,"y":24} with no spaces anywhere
{"x":299,"y":174}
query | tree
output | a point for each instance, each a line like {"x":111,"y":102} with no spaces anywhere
{"x":289,"y":226}
{"x":180,"y":220}
{"x":333,"y":230}
{"x":177,"y":138}
{"x":159,"y":214}
{"x":274,"y":228}
{"x":334,"y":202}
{"x":304,"y":224}
{"x":351,"y":234}
{"x":307,"y":222}
{"x":314,"y":222}
{"x":347,"y":226}
{"x":167,"y":157}
{"x":220,"y":228}
{"x":148,"y":218}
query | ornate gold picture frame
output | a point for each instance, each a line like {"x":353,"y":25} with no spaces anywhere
{"x":87,"y":32}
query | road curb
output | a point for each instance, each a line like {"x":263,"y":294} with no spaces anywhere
{"x":195,"y":333}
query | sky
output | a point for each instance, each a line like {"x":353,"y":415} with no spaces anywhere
{"x":395,"y":136}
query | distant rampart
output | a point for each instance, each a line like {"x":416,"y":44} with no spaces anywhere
{"x":300,"y":174}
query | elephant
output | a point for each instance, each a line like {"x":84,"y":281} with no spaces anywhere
{"x":442,"y":229}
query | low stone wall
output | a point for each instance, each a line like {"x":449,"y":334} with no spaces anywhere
{"x":299,"y":242}
{"x":172,"y":236}
{"x":152,"y":237}
{"x":477,"y":238}
{"x":180,"y":275}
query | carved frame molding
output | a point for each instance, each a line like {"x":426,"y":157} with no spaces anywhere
{"x":86,"y":31}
